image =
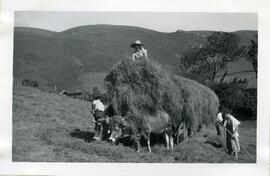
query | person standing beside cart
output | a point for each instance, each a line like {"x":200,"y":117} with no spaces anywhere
{"x":232,"y":136}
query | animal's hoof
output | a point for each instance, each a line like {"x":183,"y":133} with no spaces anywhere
{"x":96,"y":138}
{"x":112,"y":140}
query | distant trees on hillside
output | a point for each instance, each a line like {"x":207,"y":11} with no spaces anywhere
{"x":252,"y":52}
{"x":235,"y":95}
{"x":212,"y":58}
{"x":204,"y":63}
{"x":25,"y":82}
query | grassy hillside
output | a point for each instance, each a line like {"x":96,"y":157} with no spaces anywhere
{"x":64,"y":58}
{"x":53,"y":128}
{"x":93,"y":79}
{"x":241,"y":69}
{"x":40,"y":55}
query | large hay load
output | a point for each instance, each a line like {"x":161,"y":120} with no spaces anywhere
{"x":143,"y":87}
{"x":200,"y":103}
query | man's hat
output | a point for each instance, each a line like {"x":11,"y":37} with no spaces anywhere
{"x":137,"y":42}
{"x":227,"y":111}
{"x":97,"y":97}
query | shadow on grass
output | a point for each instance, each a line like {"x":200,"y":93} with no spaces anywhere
{"x":216,"y":145}
{"x":215,"y":141}
{"x":154,"y":140}
{"x":87,"y":136}
{"x":126,"y":141}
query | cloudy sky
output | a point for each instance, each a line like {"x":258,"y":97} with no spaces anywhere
{"x":163,"y":22}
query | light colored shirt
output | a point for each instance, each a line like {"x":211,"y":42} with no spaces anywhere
{"x":141,"y":54}
{"x":219,"y":117}
{"x":98,"y":105}
{"x":235,"y":122}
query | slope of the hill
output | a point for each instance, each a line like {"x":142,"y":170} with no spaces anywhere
{"x":62,"y":58}
{"x":40,"y":55}
{"x":51,"y":128}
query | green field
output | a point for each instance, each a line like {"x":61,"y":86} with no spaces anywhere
{"x":91,"y":80}
{"x":49,"y":127}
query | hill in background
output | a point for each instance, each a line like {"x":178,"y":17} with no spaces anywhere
{"x":78,"y":58}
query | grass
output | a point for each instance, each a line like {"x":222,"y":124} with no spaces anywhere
{"x":53,"y":128}
{"x":91,"y":80}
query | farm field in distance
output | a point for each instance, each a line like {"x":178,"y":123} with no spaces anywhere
{"x":51,"y":128}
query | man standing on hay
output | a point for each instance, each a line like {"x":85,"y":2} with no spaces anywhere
{"x":139,"y":52}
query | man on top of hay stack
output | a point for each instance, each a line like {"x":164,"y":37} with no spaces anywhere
{"x":139,"y":52}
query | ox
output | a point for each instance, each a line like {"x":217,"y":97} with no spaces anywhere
{"x":135,"y":127}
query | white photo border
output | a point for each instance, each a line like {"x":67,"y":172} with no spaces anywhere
{"x":261,"y":168}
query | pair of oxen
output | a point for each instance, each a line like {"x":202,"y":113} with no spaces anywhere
{"x":115,"y":127}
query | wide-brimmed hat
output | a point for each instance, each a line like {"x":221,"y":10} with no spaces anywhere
{"x":137,"y":42}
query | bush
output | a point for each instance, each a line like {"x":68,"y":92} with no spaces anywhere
{"x":29,"y":83}
{"x":34,"y":84}
{"x":242,"y":101}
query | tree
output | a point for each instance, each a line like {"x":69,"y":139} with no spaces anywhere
{"x":253,"y":54}
{"x":236,"y":96}
{"x":212,"y":58}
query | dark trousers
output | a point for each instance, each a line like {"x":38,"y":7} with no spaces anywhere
{"x":217,"y":124}
{"x":98,"y":115}
{"x":229,"y":137}
{"x":98,"y":124}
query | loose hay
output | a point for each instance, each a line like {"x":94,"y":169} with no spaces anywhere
{"x":143,"y":87}
{"x":201,"y":103}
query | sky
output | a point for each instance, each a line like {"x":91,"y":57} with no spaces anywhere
{"x":162,"y":22}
